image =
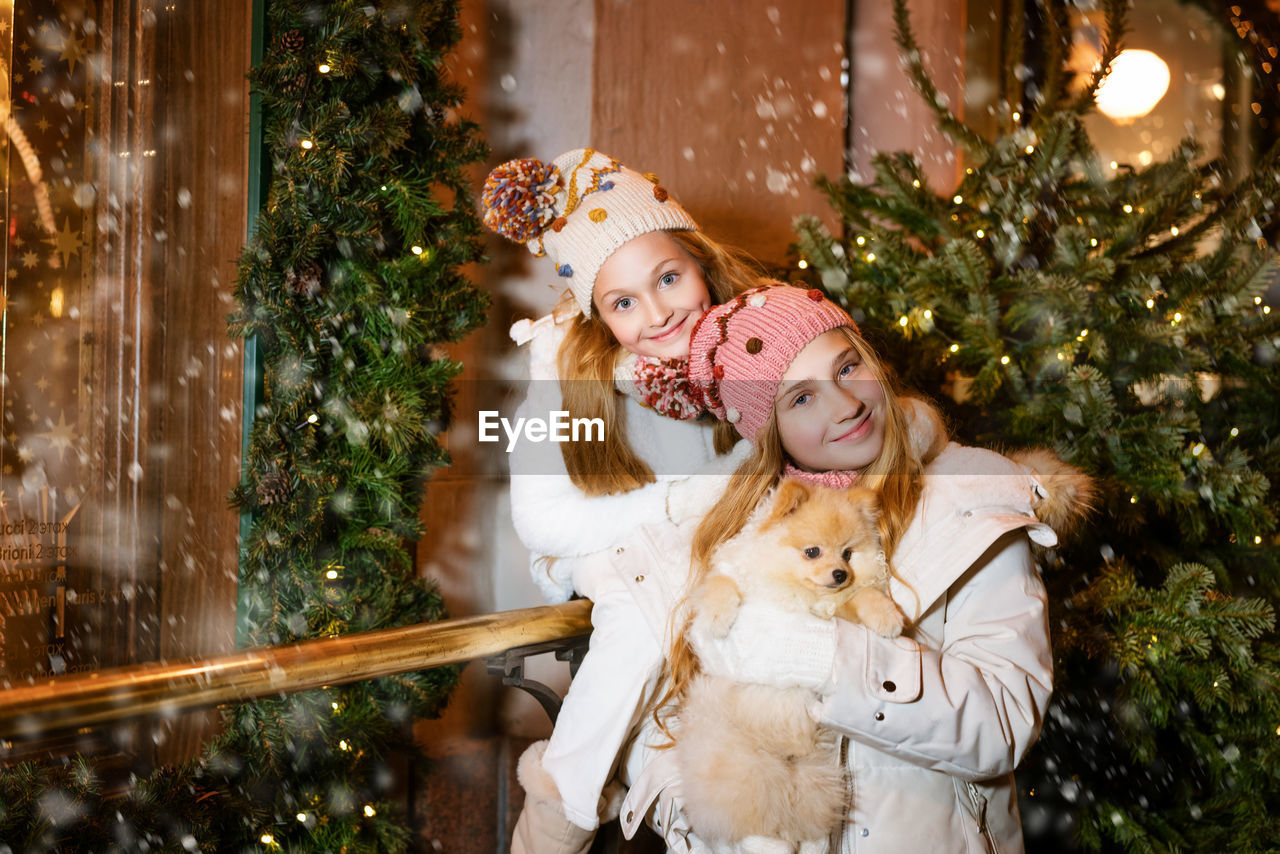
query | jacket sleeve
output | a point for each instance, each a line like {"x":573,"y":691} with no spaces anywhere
{"x":553,"y":517}
{"x":970,"y":708}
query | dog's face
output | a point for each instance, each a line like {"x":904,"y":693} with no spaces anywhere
{"x":822,"y":537}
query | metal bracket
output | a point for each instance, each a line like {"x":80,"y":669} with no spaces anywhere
{"x":510,"y":666}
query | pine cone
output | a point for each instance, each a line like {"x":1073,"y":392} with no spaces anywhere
{"x":292,"y":87}
{"x":274,"y":488}
{"x":306,"y":280}
{"x":292,"y":41}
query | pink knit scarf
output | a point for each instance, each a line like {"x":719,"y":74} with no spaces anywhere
{"x":833,"y":479}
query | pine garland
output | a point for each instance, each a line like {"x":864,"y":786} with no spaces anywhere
{"x":348,"y":284}
{"x":1120,"y":320}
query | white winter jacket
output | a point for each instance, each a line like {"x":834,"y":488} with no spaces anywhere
{"x":935,"y":721}
{"x":554,"y":518}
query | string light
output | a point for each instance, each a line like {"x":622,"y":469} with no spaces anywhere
{"x":916,"y":183}
{"x":861,"y":241}
{"x":871,"y":257}
{"x":955,"y":348}
{"x":1030,"y":149}
{"x":1004,"y":360}
{"x":980,"y":234}
{"x":1151,"y":303}
{"x":302,"y":817}
{"x":1257,"y":541}
{"x":1174,"y":231}
{"x":1198,"y":449}
{"x":1257,"y":300}
{"x":307,"y":144}
{"x":369,"y":810}
{"x":1093,"y":241}
{"x":1177,"y":317}
{"x":958,"y":199}
{"x":331,"y":574}
{"x":1235,"y":431}
{"x":803,"y":265}
{"x":324,"y":68}
{"x":902,"y":321}
{"x":343,"y":744}
{"x":1133,"y":499}
{"x":928,"y":314}
{"x":416,"y":250}
{"x":1128,"y":208}
{"x":267,"y":839}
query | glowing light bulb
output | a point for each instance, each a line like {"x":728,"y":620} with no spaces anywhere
{"x":1093,"y":241}
{"x":916,"y":183}
{"x":958,"y":199}
{"x":1235,"y":431}
{"x":369,"y":810}
{"x":803,"y":265}
{"x":955,"y":348}
{"x":1030,"y":149}
{"x":980,"y":234}
{"x":1133,"y":499}
{"x":416,"y":250}
{"x":312,"y":418}
{"x":1257,"y":541}
{"x":1177,"y":317}
{"x":266,"y":839}
{"x":902,"y":321}
{"x":1136,"y":82}
{"x":1174,"y":231}
{"x":1151,"y":303}
{"x":1004,"y":360}
{"x":301,"y":816}
{"x":1198,"y":449}
{"x":928,"y":314}
{"x":331,"y":574}
{"x":343,"y":744}
{"x":308,"y":144}
{"x":1128,"y":208}
{"x":324,"y":68}
{"x":871,"y":257}
{"x":861,"y":241}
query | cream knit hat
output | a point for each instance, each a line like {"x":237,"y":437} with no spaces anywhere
{"x":577,"y":211}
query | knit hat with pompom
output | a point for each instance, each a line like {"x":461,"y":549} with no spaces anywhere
{"x":740,"y":349}
{"x":577,"y":210}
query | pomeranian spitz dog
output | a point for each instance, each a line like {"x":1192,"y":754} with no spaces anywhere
{"x":755,"y":766}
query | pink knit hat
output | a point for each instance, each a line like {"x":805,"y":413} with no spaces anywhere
{"x":577,"y":210}
{"x":740,"y":349}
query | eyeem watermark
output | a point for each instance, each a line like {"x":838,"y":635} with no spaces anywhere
{"x":559,"y":427}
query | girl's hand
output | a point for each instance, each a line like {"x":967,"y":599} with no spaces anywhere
{"x":770,"y":646}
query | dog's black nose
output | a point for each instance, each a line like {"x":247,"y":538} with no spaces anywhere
{"x":840,"y":576}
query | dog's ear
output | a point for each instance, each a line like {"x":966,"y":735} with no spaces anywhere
{"x":787,"y":499}
{"x":867,"y":502}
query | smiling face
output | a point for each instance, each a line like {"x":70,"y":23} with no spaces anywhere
{"x":650,"y":292}
{"x":830,"y":407}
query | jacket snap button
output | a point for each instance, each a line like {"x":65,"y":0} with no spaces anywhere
{"x":620,"y":550}
{"x":630,"y":815}
{"x":879,"y":716}
{"x":866,"y":832}
{"x":889,"y":686}
{"x":639,"y":578}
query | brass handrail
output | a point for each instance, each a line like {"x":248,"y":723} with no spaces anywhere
{"x":162,"y":688}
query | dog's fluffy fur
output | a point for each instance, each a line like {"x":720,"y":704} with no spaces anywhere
{"x":752,"y":760}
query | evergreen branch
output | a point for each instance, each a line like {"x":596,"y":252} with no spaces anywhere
{"x":948,"y":122}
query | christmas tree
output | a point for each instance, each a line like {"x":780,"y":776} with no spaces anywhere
{"x":346,"y":290}
{"x":1122,"y":321}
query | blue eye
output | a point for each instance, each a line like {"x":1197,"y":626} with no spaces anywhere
{"x":667,"y":280}
{"x":802,"y":399}
{"x":848,"y":369}
{"x":623,"y":304}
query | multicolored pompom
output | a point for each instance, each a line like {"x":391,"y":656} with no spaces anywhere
{"x":519,"y":197}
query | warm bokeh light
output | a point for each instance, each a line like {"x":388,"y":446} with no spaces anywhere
{"x":1137,"y":82}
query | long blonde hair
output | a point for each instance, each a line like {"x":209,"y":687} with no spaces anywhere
{"x":897,"y":475}
{"x":586,"y":361}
